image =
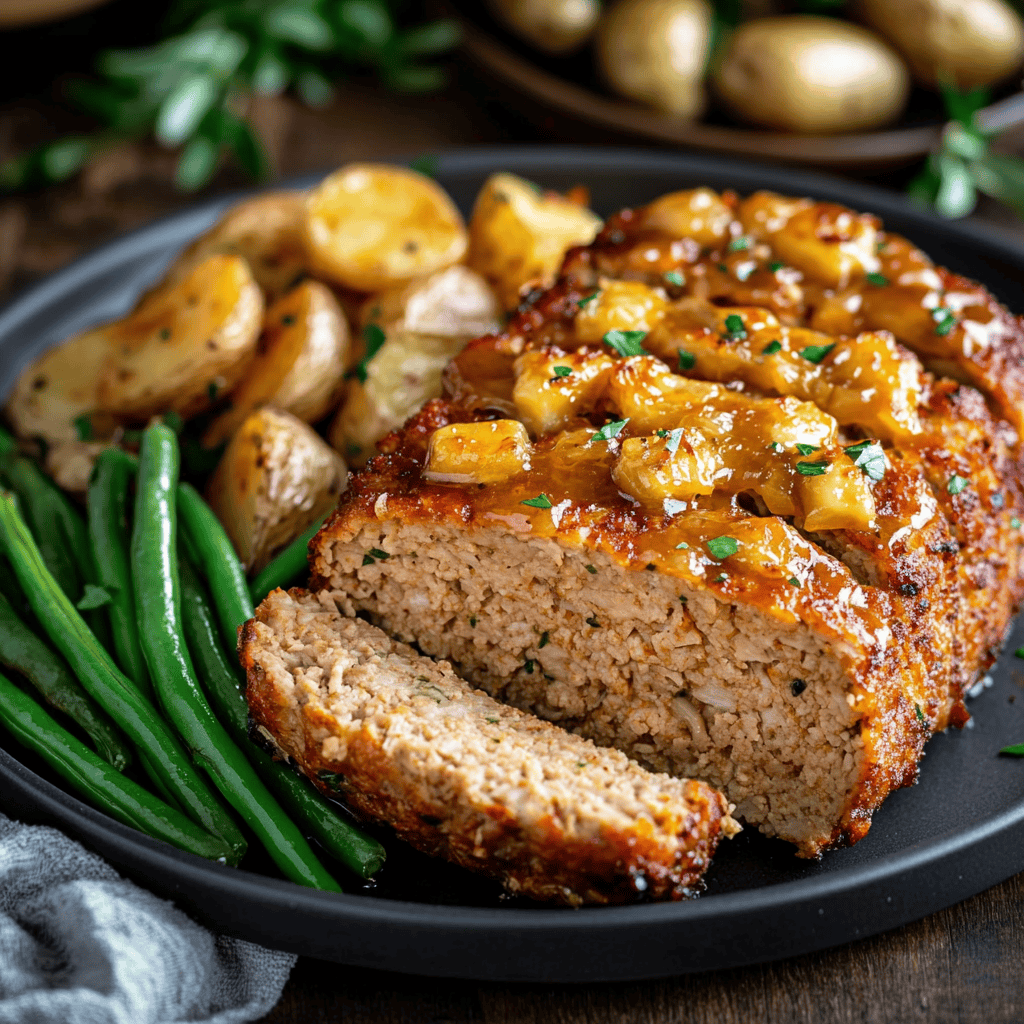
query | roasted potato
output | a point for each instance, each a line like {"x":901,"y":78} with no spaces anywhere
{"x":966,"y":42}
{"x":184,"y":344}
{"x":372,"y":226}
{"x":266,"y":232}
{"x":61,"y":385}
{"x":276,"y":477}
{"x":552,"y":26}
{"x":299,"y":363}
{"x":655,"y":51}
{"x":801,"y":73}
{"x":518,"y":235}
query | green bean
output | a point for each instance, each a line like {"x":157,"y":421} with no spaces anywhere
{"x":341,"y":839}
{"x":159,"y":749}
{"x":94,"y":779}
{"x":287,"y":565}
{"x":216,"y":556}
{"x":22,"y":651}
{"x":158,"y":608}
{"x":108,"y":533}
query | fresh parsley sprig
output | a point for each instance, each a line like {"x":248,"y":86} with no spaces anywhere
{"x":190,"y":89}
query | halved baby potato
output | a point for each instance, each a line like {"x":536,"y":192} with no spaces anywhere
{"x":186,"y":343}
{"x":275,"y":478}
{"x":519,"y":235}
{"x":61,"y":385}
{"x":372,"y":226}
{"x":265,"y":231}
{"x":299,"y":363}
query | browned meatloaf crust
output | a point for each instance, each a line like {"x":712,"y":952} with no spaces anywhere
{"x":792,"y":626}
{"x":407,"y":742}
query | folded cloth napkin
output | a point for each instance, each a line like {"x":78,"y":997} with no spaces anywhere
{"x":80,"y":945}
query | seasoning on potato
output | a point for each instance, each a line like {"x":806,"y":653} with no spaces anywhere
{"x":552,"y":26}
{"x":372,"y":226}
{"x":275,"y":478}
{"x":299,"y":363}
{"x":802,"y":73}
{"x":518,"y":235}
{"x":966,"y":42}
{"x":655,"y":51}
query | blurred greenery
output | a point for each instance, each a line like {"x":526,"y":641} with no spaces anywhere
{"x":189,"y":89}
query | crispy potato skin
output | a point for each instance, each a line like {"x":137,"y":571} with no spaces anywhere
{"x":184,"y":343}
{"x":373,"y":226}
{"x":276,"y":476}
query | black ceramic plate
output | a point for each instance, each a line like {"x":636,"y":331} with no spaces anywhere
{"x":959,"y":831}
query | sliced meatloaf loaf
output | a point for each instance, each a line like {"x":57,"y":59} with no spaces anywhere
{"x":685,"y":508}
{"x":407,"y":742}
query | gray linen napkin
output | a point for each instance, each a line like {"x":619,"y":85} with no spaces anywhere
{"x":80,"y":945}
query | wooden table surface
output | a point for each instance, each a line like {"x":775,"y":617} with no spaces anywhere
{"x":963,"y":965}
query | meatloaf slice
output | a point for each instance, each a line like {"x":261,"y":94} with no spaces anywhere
{"x":405,"y":741}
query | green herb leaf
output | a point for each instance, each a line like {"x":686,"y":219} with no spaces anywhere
{"x":297,"y":23}
{"x":675,"y":277}
{"x":592,"y":570}
{"x":869,"y":458}
{"x":1017,"y":750}
{"x":314,"y":89}
{"x":592,"y":621}
{"x":1015,"y":523}
{"x":945,"y":320}
{"x":59,"y":160}
{"x":807,"y":449}
{"x":776,"y":447}
{"x":93,"y":597}
{"x":427,"y":164}
{"x":812,"y":468}
{"x":541,"y":501}
{"x":687,"y":360}
{"x":918,"y":713}
{"x":956,"y":484}
{"x":545,"y":639}
{"x":772,"y":347}
{"x":626,"y":343}
{"x":374,"y":338}
{"x":529,"y":666}
{"x":562,"y":371}
{"x":734,"y":327}
{"x":610,"y":430}
{"x":83,"y":427}
{"x":878,"y":280}
{"x":815,"y":353}
{"x":379,"y":553}
{"x":588,"y":299}
{"x":723,"y":547}
{"x":197,"y":164}
{"x":738,"y":244}
{"x":793,"y":582}
{"x":775,"y":266}
{"x":181,"y":112}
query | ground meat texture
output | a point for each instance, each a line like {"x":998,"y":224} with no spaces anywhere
{"x":407,"y":742}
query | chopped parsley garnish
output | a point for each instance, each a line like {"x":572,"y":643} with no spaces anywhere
{"x":545,"y":639}
{"x":739,"y":244}
{"x":1015,"y":522}
{"x":661,"y":433}
{"x":94,"y":597}
{"x":472,"y":621}
{"x":674,"y":437}
{"x":797,"y":687}
{"x":918,"y":713}
{"x":287,"y":319}
{"x":592,"y":621}
{"x":374,"y":338}
{"x":610,"y":430}
{"x":587,"y":299}
{"x":807,"y":449}
{"x":735,"y":329}
{"x":676,"y":278}
{"x":683,"y":598}
{"x":687,"y":360}
{"x":945,"y":320}
{"x":815,"y":353}
{"x":720,"y":578}
{"x":213,"y":389}
{"x":591,"y":570}
{"x":368,"y":560}
{"x":793,"y":582}
{"x":1017,"y":750}
{"x":83,"y":427}
{"x":723,"y":268}
{"x":812,"y":468}
{"x":541,"y":501}
{"x":956,"y":484}
{"x":776,"y":447}
{"x":332,"y":780}
{"x":562,"y":371}
{"x":878,"y":280}
{"x":165,"y":334}
{"x":869,"y":458}
{"x":529,"y":666}
{"x":377,"y":553}
{"x":775,"y":266}
{"x":173,"y":420}
{"x":772,"y":347}
{"x":492,"y":721}
{"x":723,"y":547}
{"x":626,"y":343}
{"x":581,"y":764}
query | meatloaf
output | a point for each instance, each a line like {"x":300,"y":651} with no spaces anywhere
{"x":739,"y":496}
{"x":405,"y":741}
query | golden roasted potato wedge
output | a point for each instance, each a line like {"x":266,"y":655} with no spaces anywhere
{"x":372,"y":226}
{"x":61,"y":385}
{"x":265,"y":231}
{"x":403,"y":374}
{"x":276,"y":477}
{"x":299,"y":363}
{"x":184,"y":344}
{"x":518,"y":235}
